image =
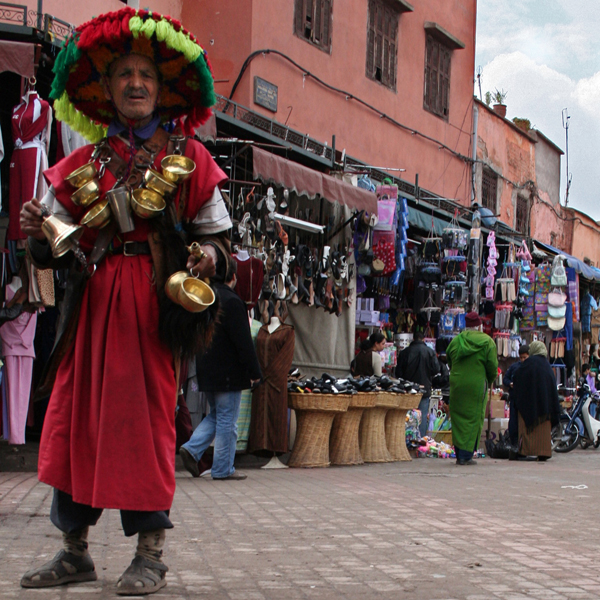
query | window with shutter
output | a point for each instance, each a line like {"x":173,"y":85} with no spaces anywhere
{"x":312,"y":22}
{"x":436,"y":93}
{"x":382,"y":42}
{"x":522,"y":215}
{"x":489,"y":189}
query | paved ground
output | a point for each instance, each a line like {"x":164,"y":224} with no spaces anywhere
{"x":420,"y":530}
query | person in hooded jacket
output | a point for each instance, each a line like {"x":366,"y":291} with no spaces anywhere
{"x":473,"y":365}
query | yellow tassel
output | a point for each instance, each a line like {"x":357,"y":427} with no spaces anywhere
{"x":135,"y":24}
{"x":162,"y":30}
{"x":148,"y":28}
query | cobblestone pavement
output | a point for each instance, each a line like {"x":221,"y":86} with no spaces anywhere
{"x":427,"y":529}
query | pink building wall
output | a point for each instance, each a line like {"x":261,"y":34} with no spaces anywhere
{"x":232,"y":29}
{"x":508,"y":151}
{"x":586,"y":237}
{"x":77,"y":12}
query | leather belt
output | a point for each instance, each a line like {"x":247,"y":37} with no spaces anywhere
{"x":132,"y":248}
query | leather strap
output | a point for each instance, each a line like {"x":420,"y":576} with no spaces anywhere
{"x":142,"y":159}
{"x":132,"y":248}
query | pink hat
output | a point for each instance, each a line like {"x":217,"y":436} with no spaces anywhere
{"x":472,"y":319}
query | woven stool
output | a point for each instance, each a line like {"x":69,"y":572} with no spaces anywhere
{"x":372,"y":430}
{"x":314,"y":415}
{"x":395,"y":435}
{"x":344,"y":448}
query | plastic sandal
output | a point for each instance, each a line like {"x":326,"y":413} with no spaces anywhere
{"x":63,"y":568}
{"x":142,"y":576}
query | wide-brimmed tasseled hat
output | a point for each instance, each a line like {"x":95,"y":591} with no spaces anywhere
{"x":83,"y":63}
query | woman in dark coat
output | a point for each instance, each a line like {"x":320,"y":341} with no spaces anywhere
{"x":536,"y":400}
{"x":368,"y":361}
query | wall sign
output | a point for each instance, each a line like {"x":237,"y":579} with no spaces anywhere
{"x":265,"y":94}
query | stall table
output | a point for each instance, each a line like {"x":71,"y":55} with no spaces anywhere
{"x":395,"y":435}
{"x":344,"y":448}
{"x":314,"y":416}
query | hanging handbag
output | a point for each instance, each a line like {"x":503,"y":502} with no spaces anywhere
{"x":559,"y":275}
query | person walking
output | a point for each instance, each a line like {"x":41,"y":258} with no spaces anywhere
{"x":229,"y":366}
{"x":508,"y":380}
{"x":418,"y":363}
{"x":473,"y":365}
{"x":537,"y":403}
{"x":109,"y":433}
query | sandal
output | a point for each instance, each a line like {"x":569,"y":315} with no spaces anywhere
{"x":63,"y":568}
{"x":142,"y":576}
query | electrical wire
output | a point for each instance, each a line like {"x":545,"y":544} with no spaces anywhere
{"x":348,"y":96}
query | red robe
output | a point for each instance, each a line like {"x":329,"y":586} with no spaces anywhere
{"x":109,"y":432}
{"x":30,"y":131}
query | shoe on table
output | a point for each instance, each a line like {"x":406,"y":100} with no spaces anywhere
{"x":235,"y":476}
{"x":189,"y":462}
{"x":462,"y":461}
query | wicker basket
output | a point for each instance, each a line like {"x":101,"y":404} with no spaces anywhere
{"x":318,"y":402}
{"x":363,"y":400}
{"x":314,"y":414}
{"x":441,"y":436}
{"x":387,"y":400}
{"x":409,"y":401}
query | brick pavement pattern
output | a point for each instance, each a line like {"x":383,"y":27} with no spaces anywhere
{"x":421,"y":530}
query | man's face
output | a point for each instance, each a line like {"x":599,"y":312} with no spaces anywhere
{"x":133,"y":84}
{"x":524,"y":357}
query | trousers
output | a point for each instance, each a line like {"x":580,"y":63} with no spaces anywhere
{"x":70,"y":516}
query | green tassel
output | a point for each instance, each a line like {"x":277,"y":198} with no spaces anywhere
{"x":206,"y":82}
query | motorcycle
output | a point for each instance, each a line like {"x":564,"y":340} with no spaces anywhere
{"x":580,"y":426}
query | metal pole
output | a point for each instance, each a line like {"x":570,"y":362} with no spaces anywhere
{"x":40,"y":11}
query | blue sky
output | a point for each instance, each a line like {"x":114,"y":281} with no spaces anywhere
{"x":546,"y":55}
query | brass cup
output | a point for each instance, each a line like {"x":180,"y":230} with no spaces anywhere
{"x":98,"y":216}
{"x":177,"y":168}
{"x":79,"y":177}
{"x":147,"y":203}
{"x":173,"y":285}
{"x":87,"y":193}
{"x":195,"y":295}
{"x":156,"y":182}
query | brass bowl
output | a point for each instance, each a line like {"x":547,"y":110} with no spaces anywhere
{"x":156,"y":182}
{"x":195,"y":295}
{"x":177,"y":168}
{"x":173,"y":285}
{"x":98,"y":216}
{"x":147,"y":203}
{"x":87,"y":193}
{"x":83,"y":175}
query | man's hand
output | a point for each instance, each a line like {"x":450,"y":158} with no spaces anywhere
{"x":31,"y":219}
{"x":203,"y":266}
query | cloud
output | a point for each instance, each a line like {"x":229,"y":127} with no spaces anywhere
{"x":560,"y":33}
{"x":540,"y":93}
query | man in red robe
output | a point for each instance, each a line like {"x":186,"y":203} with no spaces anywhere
{"x":109,"y":433}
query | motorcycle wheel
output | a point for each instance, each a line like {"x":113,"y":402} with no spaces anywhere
{"x":565,"y":436}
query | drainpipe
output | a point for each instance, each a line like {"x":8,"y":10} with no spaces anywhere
{"x":474,"y":151}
